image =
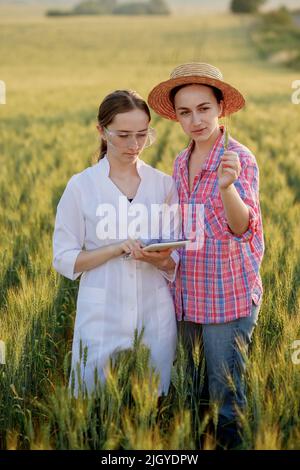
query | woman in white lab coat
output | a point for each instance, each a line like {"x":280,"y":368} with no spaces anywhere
{"x":103,"y":213}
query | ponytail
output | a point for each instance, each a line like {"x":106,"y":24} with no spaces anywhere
{"x":103,"y":150}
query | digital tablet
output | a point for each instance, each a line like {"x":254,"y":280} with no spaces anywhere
{"x":165,"y":245}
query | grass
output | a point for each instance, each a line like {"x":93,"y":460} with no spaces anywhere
{"x":57,"y":71}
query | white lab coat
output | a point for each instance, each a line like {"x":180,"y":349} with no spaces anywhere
{"x":121,"y":295}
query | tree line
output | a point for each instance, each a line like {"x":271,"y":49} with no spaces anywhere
{"x":112,"y":7}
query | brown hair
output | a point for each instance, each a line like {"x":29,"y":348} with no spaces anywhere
{"x":119,"y":101}
{"x":216,"y":91}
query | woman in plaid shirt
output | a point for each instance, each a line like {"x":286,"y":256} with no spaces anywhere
{"x":218,"y":289}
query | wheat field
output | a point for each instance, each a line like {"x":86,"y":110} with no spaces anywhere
{"x":56,"y":72}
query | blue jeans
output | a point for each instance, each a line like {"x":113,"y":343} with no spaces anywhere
{"x":225,"y":348}
{"x":226,"y":351}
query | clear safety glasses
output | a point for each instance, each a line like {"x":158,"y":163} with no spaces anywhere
{"x":126,"y":139}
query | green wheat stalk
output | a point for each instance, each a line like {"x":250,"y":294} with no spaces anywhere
{"x":226,"y":140}
{"x":226,"y":133}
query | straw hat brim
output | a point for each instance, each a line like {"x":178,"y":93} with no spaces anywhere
{"x":159,"y":97}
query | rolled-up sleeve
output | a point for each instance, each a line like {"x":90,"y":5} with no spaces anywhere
{"x":172,"y":228}
{"x":69,"y":231}
{"x":247,"y":186}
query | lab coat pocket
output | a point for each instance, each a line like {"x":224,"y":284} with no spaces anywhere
{"x":166,"y":313}
{"x":90,"y":314}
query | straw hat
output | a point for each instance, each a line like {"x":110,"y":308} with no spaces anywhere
{"x":187,"y":74}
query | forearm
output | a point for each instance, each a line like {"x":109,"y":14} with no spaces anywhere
{"x":236,"y":211}
{"x":90,"y":259}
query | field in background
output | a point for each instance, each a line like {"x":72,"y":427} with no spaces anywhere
{"x":57,"y":71}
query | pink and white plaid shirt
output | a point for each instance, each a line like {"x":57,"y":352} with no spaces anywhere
{"x":217,"y":282}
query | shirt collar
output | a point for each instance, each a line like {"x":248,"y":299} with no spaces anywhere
{"x":105,"y":166}
{"x":212,"y":161}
